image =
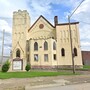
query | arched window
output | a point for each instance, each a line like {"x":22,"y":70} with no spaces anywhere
{"x":54,"y":46}
{"x":45,"y":45}
{"x":35,"y":46}
{"x":18,"y":53}
{"x":62,"y":52}
{"x":75,"y":52}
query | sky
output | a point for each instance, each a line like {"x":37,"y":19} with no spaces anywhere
{"x":47,"y":8}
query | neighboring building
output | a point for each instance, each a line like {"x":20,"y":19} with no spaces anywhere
{"x":86,"y":57}
{"x":42,"y":44}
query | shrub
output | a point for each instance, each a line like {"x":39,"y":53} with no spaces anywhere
{"x":6,"y":66}
{"x":28,"y":67}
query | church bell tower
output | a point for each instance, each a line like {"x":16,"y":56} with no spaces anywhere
{"x":21,"y":24}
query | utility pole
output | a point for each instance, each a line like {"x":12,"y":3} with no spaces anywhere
{"x":2,"y":47}
{"x":72,"y":51}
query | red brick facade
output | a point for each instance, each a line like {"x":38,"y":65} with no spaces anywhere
{"x":86,"y":57}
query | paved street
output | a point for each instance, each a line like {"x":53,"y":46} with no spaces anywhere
{"x":84,"y":86}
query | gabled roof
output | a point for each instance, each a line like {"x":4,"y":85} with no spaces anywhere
{"x":37,"y":21}
{"x":19,"y":46}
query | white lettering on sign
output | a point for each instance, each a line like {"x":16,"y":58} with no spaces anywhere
{"x":17,"y":65}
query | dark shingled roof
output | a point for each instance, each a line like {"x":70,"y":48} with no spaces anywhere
{"x":68,"y":23}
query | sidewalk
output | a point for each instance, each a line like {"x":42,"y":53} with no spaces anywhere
{"x":84,"y":86}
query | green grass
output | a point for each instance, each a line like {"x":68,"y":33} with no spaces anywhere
{"x":31,"y":74}
{"x":86,"y":66}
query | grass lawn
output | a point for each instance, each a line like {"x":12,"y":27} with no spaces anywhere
{"x":31,"y":74}
{"x":86,"y":66}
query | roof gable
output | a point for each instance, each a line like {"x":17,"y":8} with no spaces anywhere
{"x":38,"y":20}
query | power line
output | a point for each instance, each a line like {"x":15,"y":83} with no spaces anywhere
{"x":12,"y":18}
{"x":5,"y":18}
{"x":76,"y":8}
{"x":85,"y":22}
{"x":82,"y":21}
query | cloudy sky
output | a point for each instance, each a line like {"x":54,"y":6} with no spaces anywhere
{"x":47,"y":8}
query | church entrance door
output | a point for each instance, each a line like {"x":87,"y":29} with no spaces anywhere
{"x":17,"y":64}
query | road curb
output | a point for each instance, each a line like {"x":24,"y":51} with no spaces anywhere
{"x":29,"y":87}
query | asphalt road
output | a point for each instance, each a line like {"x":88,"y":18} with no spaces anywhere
{"x":84,"y":86}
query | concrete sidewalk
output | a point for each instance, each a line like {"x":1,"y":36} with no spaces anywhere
{"x":60,"y":82}
{"x":84,"y":86}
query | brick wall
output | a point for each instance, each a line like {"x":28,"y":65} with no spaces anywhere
{"x":86,"y":57}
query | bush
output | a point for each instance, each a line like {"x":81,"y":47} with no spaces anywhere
{"x":6,"y":66}
{"x":28,"y":67}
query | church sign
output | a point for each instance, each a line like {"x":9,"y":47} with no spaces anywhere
{"x":17,"y":65}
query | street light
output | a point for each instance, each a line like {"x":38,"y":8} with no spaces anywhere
{"x":72,"y":52}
